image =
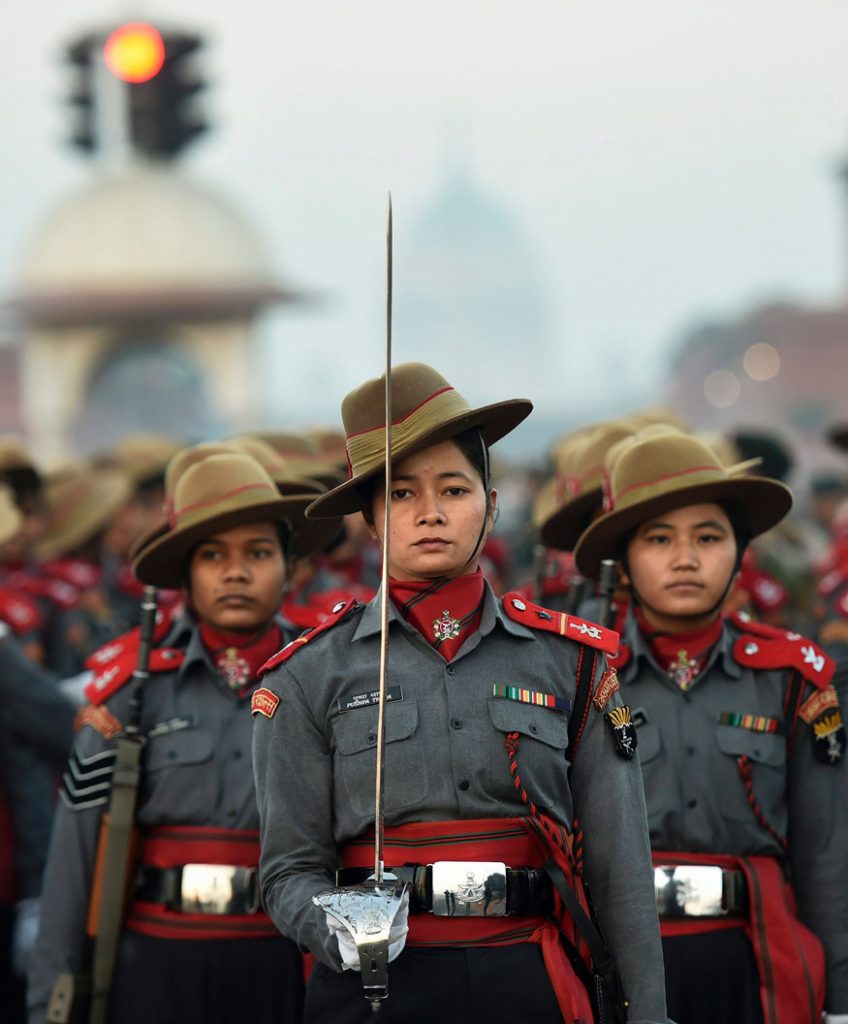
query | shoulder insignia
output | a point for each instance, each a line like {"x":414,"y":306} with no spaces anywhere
{"x":779,"y":649}
{"x":832,"y":580}
{"x":100,"y":719}
{"x":87,"y":781}
{"x":821,"y":701}
{"x":264,"y":702}
{"x":114,"y":664}
{"x":20,"y":613}
{"x":339,"y":611}
{"x":536,"y":617}
{"x":62,"y":594}
{"x":606,"y":688}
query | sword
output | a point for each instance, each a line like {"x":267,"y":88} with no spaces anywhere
{"x":367,"y":911}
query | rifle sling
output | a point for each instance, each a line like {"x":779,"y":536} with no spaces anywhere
{"x":125,"y":782}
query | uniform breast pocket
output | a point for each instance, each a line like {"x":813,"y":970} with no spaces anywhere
{"x":405,"y":776}
{"x":542,"y":744}
{"x":766,"y":753}
{"x":180,"y":778}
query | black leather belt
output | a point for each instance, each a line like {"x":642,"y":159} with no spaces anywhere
{"x":200,"y":888}
{"x":528,"y":890}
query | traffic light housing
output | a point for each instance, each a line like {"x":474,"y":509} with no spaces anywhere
{"x":155,"y":80}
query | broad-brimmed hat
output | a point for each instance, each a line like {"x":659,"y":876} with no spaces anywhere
{"x":582,"y":485}
{"x":10,"y":517}
{"x":426,"y":409}
{"x":218,"y":493}
{"x":141,"y":457}
{"x":81,"y":502}
{"x":666,"y":471}
{"x":17,"y":466}
{"x":303,"y":455}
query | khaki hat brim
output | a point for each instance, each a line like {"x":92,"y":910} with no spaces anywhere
{"x":764,"y":503}
{"x":494,"y":422}
{"x":109,"y":492}
{"x":160,"y":555}
{"x":562,"y":528}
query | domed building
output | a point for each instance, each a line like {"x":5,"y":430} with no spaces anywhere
{"x":468,"y":295}
{"x":137,"y":299}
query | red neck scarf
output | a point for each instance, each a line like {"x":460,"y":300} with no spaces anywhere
{"x":444,"y":611}
{"x":682,"y":655}
{"x":239,"y":656}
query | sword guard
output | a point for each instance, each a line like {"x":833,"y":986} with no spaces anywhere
{"x":367,"y":912}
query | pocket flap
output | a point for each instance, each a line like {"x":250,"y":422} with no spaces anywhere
{"x":539,"y":723}
{"x":188,"y":746}
{"x":761,"y":747}
{"x":356,"y":731}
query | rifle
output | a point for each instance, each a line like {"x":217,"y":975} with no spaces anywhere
{"x":67,"y":1003}
{"x":606,"y":592}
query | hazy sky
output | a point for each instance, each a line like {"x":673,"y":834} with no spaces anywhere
{"x":666,"y":161}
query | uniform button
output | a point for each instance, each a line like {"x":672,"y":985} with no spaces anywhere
{"x":691,"y":803}
{"x":455,"y":723}
{"x":451,"y":670}
{"x":534,"y":728}
{"x":236,"y":755}
{"x":232,"y":812}
{"x":690,"y":751}
{"x":172,"y":754}
{"x":464,"y":785}
{"x":372,"y":737}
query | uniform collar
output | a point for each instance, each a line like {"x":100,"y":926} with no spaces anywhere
{"x":640,"y":651}
{"x":369,"y":622}
{"x":185,"y":633}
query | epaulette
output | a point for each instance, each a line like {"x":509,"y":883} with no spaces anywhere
{"x":621,"y":657}
{"x":339,"y":611}
{"x":536,"y":617}
{"x":21,"y":614}
{"x":832,"y":580}
{"x":762,"y":646}
{"x":114,"y":664}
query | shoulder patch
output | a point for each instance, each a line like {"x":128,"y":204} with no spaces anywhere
{"x":114,"y":664}
{"x":779,"y":649}
{"x":100,"y":719}
{"x":821,"y":701}
{"x":264,"y":702}
{"x":535,"y":616}
{"x":607,"y":686}
{"x":339,"y":611}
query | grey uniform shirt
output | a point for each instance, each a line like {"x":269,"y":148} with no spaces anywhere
{"x":696,"y":799}
{"x":196,"y":770}
{"x":445,"y":760}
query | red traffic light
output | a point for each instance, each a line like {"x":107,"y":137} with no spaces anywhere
{"x":134,"y":52}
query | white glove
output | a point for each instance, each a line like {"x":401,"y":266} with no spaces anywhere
{"x":24,"y":933}
{"x":397,"y":937}
{"x":836,"y":1018}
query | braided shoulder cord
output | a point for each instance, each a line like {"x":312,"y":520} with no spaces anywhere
{"x":746,"y":773}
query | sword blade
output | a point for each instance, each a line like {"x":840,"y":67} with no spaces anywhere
{"x":379,"y":825}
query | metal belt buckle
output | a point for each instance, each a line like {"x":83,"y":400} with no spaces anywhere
{"x":218,"y":889}
{"x":469,"y":888}
{"x":689,"y":890}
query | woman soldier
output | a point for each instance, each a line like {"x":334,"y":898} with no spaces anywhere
{"x":481,"y":758}
{"x":195,"y":946}
{"x":740,"y":740}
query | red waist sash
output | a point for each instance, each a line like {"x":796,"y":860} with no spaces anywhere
{"x":173,"y":846}
{"x":486,"y":839}
{"x":789,"y":957}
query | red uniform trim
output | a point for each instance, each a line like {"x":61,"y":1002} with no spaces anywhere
{"x":307,"y":637}
{"x":763,"y":647}
{"x":535,"y":616}
{"x":789,"y":957}
{"x":509,"y":840}
{"x":20,"y":613}
{"x":114,"y":663}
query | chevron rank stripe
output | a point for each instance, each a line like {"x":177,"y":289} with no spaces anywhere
{"x":545,"y":700}
{"x":87,"y":780}
{"x":755,"y":723}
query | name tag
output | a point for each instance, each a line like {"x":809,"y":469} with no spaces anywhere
{"x":171,"y":725}
{"x":367,"y":700}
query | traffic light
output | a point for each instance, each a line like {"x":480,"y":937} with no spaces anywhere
{"x":137,"y":84}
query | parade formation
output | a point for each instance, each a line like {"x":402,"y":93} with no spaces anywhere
{"x":555,"y":800}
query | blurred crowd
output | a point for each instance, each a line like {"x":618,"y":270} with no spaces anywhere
{"x":69,"y":535}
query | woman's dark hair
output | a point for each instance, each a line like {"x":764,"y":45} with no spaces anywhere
{"x":472,"y":445}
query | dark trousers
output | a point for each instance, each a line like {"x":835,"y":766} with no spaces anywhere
{"x":12,"y":1004}
{"x":211,"y":981}
{"x":500,"y":985}
{"x":712,"y":978}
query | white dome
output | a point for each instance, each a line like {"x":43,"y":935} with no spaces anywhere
{"x":147,"y":227}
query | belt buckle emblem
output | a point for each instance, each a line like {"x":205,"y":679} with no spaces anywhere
{"x":469,"y":888}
